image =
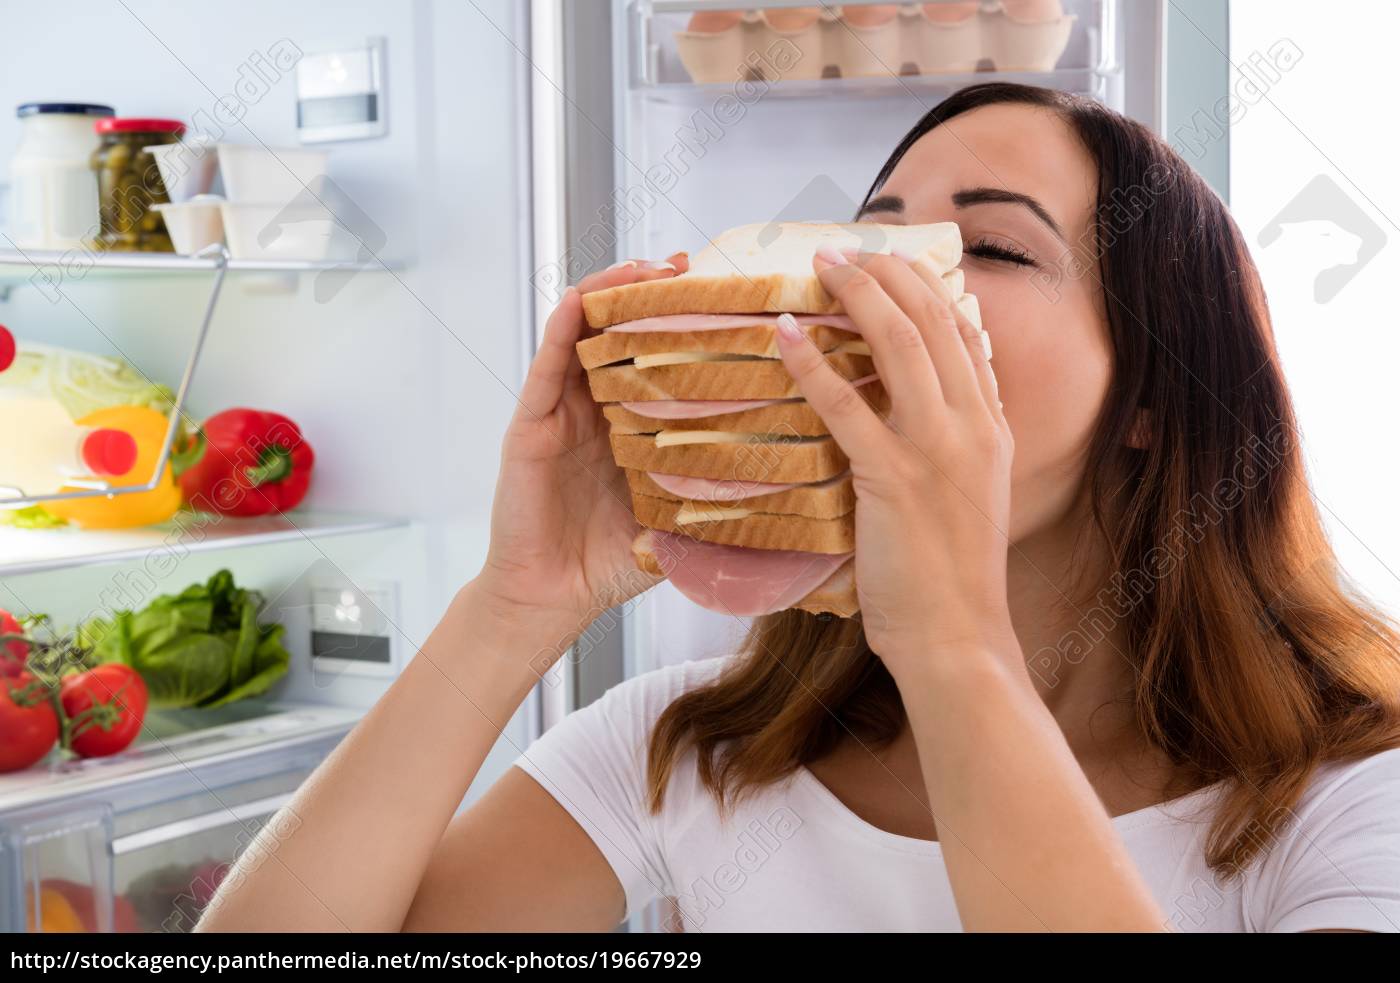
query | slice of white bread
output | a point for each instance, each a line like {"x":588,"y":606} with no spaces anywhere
{"x":836,"y":595}
{"x":763,"y":531}
{"x":767,"y":267}
{"x":748,"y":460}
{"x":759,"y":378}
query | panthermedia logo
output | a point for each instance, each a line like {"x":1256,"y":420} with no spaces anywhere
{"x":1330,"y":230}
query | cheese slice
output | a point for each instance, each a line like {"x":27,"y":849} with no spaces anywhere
{"x":672,"y":438}
{"x":690,"y":513}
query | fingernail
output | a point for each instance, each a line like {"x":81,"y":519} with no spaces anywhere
{"x":832,"y":255}
{"x":658,"y":264}
{"x":621,"y":263}
{"x":987,"y":344}
{"x":787,"y":327}
{"x":905,"y":255}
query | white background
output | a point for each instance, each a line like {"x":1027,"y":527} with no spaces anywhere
{"x":1332,"y":114}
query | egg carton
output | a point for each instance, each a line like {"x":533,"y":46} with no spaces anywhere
{"x":915,"y":39}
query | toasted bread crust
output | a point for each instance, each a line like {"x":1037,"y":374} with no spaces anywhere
{"x":769,"y":294}
{"x":836,"y":595}
{"x":810,"y":460}
{"x":757,"y":379}
{"x":827,"y":501}
{"x":768,"y":531}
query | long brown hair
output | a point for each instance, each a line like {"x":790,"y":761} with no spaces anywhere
{"x":1254,"y":662}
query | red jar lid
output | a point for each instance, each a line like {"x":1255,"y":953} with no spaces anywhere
{"x":136,"y":124}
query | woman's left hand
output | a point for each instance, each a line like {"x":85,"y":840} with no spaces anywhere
{"x":933,"y":480}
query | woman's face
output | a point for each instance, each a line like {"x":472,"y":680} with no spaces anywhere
{"x":1023,"y":256}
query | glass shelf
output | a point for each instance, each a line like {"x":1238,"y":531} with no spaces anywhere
{"x":173,"y":742}
{"x":24,"y":551}
{"x":22,"y":266}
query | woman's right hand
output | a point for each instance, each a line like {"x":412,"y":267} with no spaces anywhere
{"x":562,"y":524}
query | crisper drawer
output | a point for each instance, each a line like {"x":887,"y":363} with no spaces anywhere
{"x":144,"y":855}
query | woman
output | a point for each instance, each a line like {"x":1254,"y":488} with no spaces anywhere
{"x":1112,"y":681}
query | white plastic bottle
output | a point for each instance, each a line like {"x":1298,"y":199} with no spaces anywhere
{"x":40,"y":445}
{"x":53,"y":198}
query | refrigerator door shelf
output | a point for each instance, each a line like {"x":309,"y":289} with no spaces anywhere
{"x":670,"y":45}
{"x":927,"y":88}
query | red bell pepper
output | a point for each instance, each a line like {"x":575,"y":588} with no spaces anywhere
{"x":245,"y":462}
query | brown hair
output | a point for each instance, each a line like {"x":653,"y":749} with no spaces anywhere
{"x":1254,"y":662}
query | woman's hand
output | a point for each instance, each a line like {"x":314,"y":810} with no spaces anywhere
{"x":562,"y":524}
{"x":932,"y":481}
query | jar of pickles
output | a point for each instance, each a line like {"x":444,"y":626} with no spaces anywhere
{"x":129,"y":183}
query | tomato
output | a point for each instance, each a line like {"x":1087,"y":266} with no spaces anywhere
{"x":28,"y":723}
{"x":105,"y":707}
{"x":12,"y":653}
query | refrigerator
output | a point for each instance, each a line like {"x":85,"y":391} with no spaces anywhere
{"x":645,"y":142}
{"x":499,"y":150}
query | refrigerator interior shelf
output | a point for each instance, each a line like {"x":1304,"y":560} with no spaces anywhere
{"x":175,"y":740}
{"x":24,"y":551}
{"x":929,"y":88}
{"x":40,"y":267}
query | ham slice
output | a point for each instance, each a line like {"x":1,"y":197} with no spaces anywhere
{"x":714,"y":322}
{"x":692,"y":409}
{"x":713,"y":490}
{"x":728,"y":489}
{"x":737,"y":580}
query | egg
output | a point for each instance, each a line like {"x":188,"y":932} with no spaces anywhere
{"x":950,"y":13}
{"x":1033,"y":11}
{"x":714,"y":21}
{"x":792,"y":18}
{"x":871,"y":16}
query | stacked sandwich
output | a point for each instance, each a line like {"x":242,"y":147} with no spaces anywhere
{"x":745,"y":499}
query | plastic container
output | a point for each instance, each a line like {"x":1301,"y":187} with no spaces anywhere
{"x":53,"y":200}
{"x":254,"y":174}
{"x":713,"y":56}
{"x":139,"y":839}
{"x":44,"y":448}
{"x":187,"y":169}
{"x":278,"y":232}
{"x":129,"y":183}
{"x":195,"y":224}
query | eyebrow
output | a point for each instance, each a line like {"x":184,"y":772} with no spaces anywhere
{"x":972,"y":196}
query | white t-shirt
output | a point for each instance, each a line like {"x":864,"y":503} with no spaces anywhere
{"x":794,"y":858}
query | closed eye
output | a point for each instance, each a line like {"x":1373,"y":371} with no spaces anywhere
{"x":985,"y":249}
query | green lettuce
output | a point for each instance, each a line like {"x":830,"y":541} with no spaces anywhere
{"x":202,"y":647}
{"x":30,"y":517}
